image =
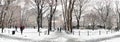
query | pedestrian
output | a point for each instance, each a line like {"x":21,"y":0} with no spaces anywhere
{"x":34,"y":27}
{"x":58,"y":29}
{"x":21,"y":29}
{"x":15,"y":28}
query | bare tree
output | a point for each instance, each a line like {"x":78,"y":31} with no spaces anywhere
{"x":64,"y":8}
{"x":93,"y":18}
{"x":39,"y":5}
{"x":103,"y":11}
{"x":3,"y":13}
{"x":10,"y":20}
{"x":81,"y":5}
{"x":117,"y":12}
{"x":68,"y":6}
{"x":53,"y":6}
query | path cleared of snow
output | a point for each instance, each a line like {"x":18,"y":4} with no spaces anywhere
{"x":8,"y":40}
{"x":31,"y":35}
{"x":112,"y":40}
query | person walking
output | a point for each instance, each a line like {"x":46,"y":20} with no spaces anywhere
{"x":21,"y":29}
{"x":15,"y":28}
{"x":34,"y":27}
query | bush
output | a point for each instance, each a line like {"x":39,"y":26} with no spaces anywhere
{"x":99,"y":26}
{"x":116,"y":29}
{"x":89,"y":27}
{"x":109,"y":28}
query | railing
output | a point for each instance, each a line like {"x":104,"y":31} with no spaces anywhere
{"x":92,"y":32}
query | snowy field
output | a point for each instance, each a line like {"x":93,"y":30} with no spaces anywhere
{"x":31,"y":35}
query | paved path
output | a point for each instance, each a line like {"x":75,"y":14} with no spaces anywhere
{"x":102,"y":39}
{"x":57,"y":37}
{"x":16,"y":38}
{"x":61,"y":37}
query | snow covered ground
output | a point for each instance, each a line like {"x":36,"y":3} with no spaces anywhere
{"x":31,"y":35}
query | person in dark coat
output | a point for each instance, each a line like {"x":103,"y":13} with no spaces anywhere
{"x":34,"y":27}
{"x":21,"y":29}
{"x":15,"y":28}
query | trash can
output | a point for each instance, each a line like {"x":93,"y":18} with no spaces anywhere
{"x":13,"y":32}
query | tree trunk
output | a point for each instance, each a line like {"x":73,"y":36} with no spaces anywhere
{"x":93,"y":25}
{"x":38,"y":17}
{"x":38,"y":23}
{"x":50,"y":22}
{"x":41,"y":17}
{"x":48,"y":31}
{"x":119,"y":22}
{"x":77,"y":24}
{"x":104,"y":25}
{"x":2,"y":27}
{"x":54,"y":22}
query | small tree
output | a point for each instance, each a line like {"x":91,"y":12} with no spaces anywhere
{"x":39,"y":5}
{"x":3,"y":13}
{"x":103,"y":11}
{"x":117,"y":12}
{"x":67,"y":8}
{"x":81,"y":6}
{"x":52,"y":4}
